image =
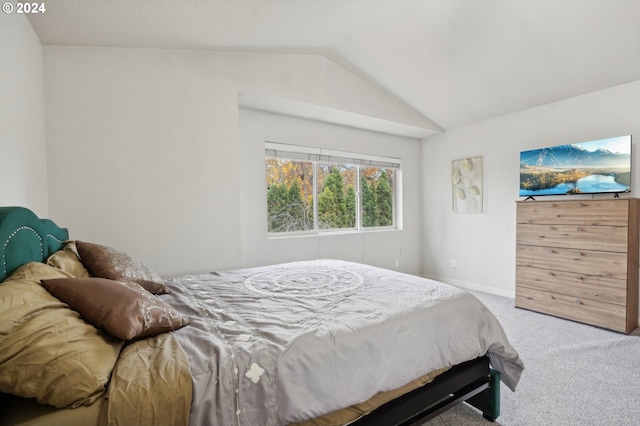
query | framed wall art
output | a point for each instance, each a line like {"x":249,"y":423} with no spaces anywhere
{"x":466,"y":180}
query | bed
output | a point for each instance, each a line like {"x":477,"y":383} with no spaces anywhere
{"x":90,"y":335}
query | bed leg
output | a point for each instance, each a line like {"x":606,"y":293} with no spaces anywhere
{"x":488,"y":401}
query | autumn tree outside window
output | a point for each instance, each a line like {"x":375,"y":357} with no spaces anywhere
{"x":312,"y":190}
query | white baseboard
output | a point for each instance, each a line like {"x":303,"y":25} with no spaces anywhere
{"x":477,"y":287}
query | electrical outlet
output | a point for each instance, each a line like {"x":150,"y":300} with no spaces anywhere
{"x":453,"y":263}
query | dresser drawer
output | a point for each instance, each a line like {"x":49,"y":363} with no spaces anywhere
{"x":583,"y":212}
{"x":602,"y":314}
{"x":601,"y":263}
{"x":610,"y":290}
{"x":602,"y":238}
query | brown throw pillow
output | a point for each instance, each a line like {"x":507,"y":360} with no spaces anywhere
{"x":107,"y":262}
{"x":122,"y":308}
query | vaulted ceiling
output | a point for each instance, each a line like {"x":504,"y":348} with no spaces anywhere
{"x":455,"y":61}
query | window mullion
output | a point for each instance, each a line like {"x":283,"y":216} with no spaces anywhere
{"x":316,"y":226}
{"x":358,"y":200}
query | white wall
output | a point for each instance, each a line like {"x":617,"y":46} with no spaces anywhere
{"x":483,"y":244}
{"x":23,"y":162}
{"x":380,"y":248}
{"x":145,"y":152}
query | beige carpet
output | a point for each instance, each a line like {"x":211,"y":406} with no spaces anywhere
{"x":575,"y":374}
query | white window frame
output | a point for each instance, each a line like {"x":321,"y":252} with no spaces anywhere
{"x":323,"y":156}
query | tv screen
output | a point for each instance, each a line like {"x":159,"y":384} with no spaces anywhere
{"x":592,"y":167}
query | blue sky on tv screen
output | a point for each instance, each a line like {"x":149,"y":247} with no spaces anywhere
{"x":618,"y":144}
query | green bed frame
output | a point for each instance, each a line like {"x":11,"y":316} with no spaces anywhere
{"x":24,"y":238}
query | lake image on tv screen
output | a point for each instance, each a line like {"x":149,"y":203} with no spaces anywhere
{"x":582,"y":168}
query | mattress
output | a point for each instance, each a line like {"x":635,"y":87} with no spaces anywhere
{"x":283,"y":343}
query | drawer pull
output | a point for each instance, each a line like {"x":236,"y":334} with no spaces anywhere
{"x":579,"y":278}
{"x":551,"y":274}
{"x":579,"y":229}
{"x":551,"y":251}
{"x":578,"y":302}
{"x":553,"y":228}
{"x":553,"y":297}
{"x":579,"y":253}
{"x":579,"y":205}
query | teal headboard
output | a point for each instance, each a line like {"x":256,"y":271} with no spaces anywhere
{"x":24,"y":238}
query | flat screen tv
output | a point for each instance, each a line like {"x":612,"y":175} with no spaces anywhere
{"x":592,"y":167}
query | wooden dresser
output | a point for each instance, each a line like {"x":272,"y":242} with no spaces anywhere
{"x":578,"y":259}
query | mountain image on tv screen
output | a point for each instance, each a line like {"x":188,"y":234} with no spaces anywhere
{"x":592,"y":167}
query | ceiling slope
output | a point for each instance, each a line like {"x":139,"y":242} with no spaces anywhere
{"x":454,"y":61}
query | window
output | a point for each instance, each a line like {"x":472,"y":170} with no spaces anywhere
{"x":290,"y":191}
{"x":311,"y":190}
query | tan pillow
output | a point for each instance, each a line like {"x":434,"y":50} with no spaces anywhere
{"x":122,"y":308}
{"x":46,"y":351}
{"x":107,"y":262}
{"x":68,"y":260}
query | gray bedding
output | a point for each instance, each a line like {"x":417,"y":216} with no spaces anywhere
{"x":287,"y":342}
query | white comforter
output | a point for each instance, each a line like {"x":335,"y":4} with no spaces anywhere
{"x":288,"y":342}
